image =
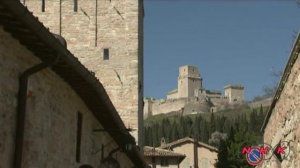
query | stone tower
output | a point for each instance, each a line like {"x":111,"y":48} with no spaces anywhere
{"x":189,"y":81}
{"x":235,"y":93}
{"x":107,"y":37}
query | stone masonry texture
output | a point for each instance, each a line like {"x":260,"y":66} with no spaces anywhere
{"x":51,"y":118}
{"x":116,"y":25}
{"x":283,"y":124}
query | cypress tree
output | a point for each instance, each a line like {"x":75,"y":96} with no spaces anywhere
{"x":222,"y":155}
{"x":212,"y":123}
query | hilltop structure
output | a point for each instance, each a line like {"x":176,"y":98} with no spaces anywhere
{"x":107,"y":38}
{"x":191,"y":97}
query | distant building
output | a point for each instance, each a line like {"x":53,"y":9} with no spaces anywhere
{"x":235,"y":93}
{"x":197,"y":154}
{"x":157,"y":158}
{"x":191,"y":96}
{"x":281,"y":124}
{"x":54,"y":112}
{"x":189,"y":83}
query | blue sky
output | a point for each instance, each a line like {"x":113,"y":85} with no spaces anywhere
{"x":231,"y":42}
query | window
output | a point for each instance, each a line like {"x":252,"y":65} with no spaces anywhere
{"x":105,"y":54}
{"x":78,"y":138}
{"x":75,"y":5}
{"x":164,"y":162}
{"x":43,"y":5}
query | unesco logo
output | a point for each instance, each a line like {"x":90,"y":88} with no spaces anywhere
{"x":255,"y":155}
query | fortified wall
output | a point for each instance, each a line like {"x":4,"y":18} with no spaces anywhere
{"x":191,"y":97}
{"x":182,"y":106}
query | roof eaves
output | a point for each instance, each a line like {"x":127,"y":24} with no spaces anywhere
{"x":185,"y":140}
{"x":112,"y":118}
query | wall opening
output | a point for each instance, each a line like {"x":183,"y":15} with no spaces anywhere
{"x":78,"y":136}
{"x":43,"y":5}
{"x":105,"y":54}
{"x":75,"y":5}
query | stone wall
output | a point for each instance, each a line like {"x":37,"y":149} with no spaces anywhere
{"x":179,"y":106}
{"x":172,"y":162}
{"x":162,"y":107}
{"x":283,"y":124}
{"x":189,"y":80}
{"x":173,"y":94}
{"x":188,"y":151}
{"x":196,"y":107}
{"x":219,"y":101}
{"x":264,"y":103}
{"x":98,"y":25}
{"x":51,"y":118}
{"x":234,"y":93}
{"x":206,"y":157}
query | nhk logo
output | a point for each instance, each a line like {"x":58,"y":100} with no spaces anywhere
{"x":255,"y":155}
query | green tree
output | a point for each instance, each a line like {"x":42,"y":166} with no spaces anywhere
{"x":241,"y":138}
{"x":174,"y":132}
{"x":197,"y":126}
{"x":212,"y":123}
{"x":222,"y":155}
{"x":205,"y":132}
{"x":182,"y":127}
{"x":189,"y":126}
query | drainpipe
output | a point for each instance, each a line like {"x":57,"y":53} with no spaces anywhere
{"x":21,"y":109}
{"x":196,"y":152}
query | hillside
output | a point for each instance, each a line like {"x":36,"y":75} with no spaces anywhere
{"x":202,"y":125}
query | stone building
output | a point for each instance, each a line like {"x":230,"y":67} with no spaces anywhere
{"x":191,"y":96}
{"x":282,"y":120}
{"x":235,"y":93}
{"x":157,"y":157}
{"x":197,"y":154}
{"x":107,"y":37}
{"x":189,"y":83}
{"x":54,"y":112}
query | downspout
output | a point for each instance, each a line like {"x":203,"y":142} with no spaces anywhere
{"x":196,"y":152}
{"x":21,"y":108}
